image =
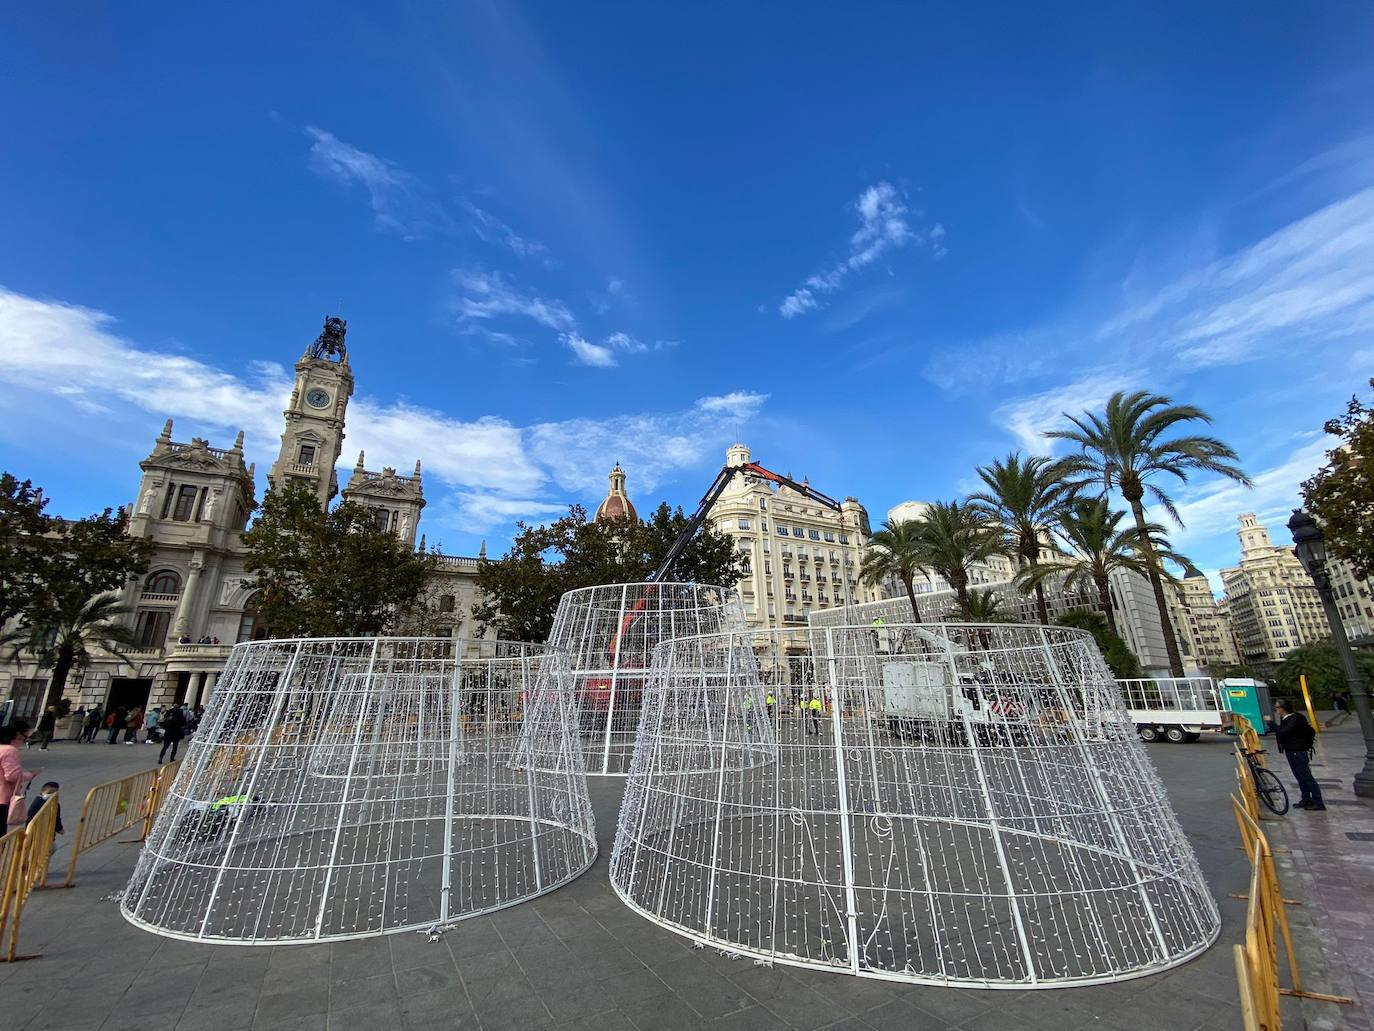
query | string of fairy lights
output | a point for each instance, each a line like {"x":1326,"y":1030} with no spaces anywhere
{"x":609,"y":634}
{"x":950,"y":804}
{"x":343,"y":788}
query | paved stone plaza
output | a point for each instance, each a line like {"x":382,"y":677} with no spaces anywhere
{"x":578,"y":958}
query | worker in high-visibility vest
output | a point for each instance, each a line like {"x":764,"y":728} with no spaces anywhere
{"x":770,"y":702}
{"x":813,"y":709}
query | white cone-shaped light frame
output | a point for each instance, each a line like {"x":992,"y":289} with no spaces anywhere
{"x":969,"y":806}
{"x":340,"y":788}
{"x":609,"y":634}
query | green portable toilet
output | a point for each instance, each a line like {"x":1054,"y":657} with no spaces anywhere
{"x":1249,"y":698}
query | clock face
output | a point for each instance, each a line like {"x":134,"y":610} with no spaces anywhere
{"x":317,"y":398}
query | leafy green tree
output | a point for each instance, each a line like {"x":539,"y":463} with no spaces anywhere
{"x":23,"y":547}
{"x":897,"y":551}
{"x":954,"y":536}
{"x":1127,"y":448}
{"x":64,"y":634}
{"x":520,"y":591}
{"x":1026,"y":496}
{"x":1321,"y":664}
{"x":1120,"y":659}
{"x":330,"y":574}
{"x":1341,"y":494}
{"x":1097,"y":548}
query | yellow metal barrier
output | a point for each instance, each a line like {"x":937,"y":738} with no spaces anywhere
{"x":112,"y":808}
{"x":24,"y":855}
{"x":1257,"y":959}
{"x":1249,"y":739}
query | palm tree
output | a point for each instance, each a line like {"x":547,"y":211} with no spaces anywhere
{"x":986,"y":607}
{"x":1098,"y":547}
{"x":62,"y":637}
{"x":895,"y":550}
{"x":1125,"y":448}
{"x":953,"y":537}
{"x":1025,"y":495}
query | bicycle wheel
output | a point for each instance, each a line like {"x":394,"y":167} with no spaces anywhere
{"x":1270,"y":790}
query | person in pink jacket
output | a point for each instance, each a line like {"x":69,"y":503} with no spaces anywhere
{"x":13,"y":777}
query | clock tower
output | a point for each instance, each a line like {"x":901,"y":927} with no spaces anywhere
{"x":313,"y":436}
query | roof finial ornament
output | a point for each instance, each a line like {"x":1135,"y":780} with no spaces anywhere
{"x":417,"y":468}
{"x":362,"y":455}
{"x":166,"y":430}
{"x":330,"y":343}
{"x":238,"y":441}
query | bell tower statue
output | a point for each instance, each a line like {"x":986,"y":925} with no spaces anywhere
{"x":313,"y":436}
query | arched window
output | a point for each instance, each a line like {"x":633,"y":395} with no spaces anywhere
{"x":251,"y":627}
{"x":164,"y":581}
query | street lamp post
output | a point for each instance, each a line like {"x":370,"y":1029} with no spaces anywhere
{"x":1310,"y":548}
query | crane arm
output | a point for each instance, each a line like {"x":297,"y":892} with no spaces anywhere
{"x":713,"y":494}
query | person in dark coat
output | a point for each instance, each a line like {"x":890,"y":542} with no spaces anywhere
{"x":47,"y":724}
{"x":94,"y":719}
{"x":173,"y":727}
{"x":49,"y":789}
{"x":1295,"y":738}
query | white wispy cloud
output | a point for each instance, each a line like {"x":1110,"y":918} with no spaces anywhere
{"x":1308,"y":283}
{"x":396,"y":197}
{"x":1028,"y":418}
{"x":488,"y":295}
{"x":492,"y":230}
{"x":605,"y":355}
{"x":1212,"y":507}
{"x":599,"y":356}
{"x":481,"y":473}
{"x":884,"y":225}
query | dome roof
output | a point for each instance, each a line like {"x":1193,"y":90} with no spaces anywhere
{"x":617,"y":504}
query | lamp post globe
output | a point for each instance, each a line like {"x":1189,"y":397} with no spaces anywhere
{"x":1309,"y":545}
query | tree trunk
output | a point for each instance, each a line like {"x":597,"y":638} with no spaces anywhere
{"x":1041,"y":609}
{"x":1104,"y":598}
{"x":1157,"y":585}
{"x":960,"y":585}
{"x":911,"y":596}
{"x":60,"y":671}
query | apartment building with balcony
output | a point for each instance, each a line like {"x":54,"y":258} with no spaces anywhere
{"x":1273,"y":604}
{"x":801,"y":555}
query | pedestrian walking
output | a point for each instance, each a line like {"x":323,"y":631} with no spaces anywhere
{"x":116,"y":722}
{"x":150,"y":725}
{"x":135,"y":721}
{"x":1341,"y":703}
{"x":173,"y":730}
{"x":94,"y":719}
{"x":813,"y":710}
{"x":1295,"y":738}
{"x":47,"y":724}
{"x":13,"y":777}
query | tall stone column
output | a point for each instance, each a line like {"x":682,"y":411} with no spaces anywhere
{"x":181,"y":624}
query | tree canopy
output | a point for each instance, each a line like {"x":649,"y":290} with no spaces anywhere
{"x":520,"y":591}
{"x":1320,"y":662}
{"x":1341,"y":494}
{"x":1128,"y":448}
{"x":1120,"y":659}
{"x":330,"y":574}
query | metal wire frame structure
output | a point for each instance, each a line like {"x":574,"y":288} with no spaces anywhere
{"x":964,"y":805}
{"x":609,"y":634}
{"x":342,"y":788}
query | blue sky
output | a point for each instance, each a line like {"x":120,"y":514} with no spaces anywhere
{"x":882,"y":244}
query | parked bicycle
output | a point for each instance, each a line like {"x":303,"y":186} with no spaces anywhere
{"x":1267,"y":786}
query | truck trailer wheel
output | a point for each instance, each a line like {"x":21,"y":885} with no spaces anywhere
{"x":1149,"y":733}
{"x":1175,"y":735}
